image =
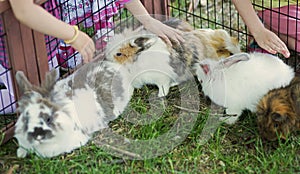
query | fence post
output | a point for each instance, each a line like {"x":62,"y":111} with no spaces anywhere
{"x":27,"y":52}
{"x":157,"y":7}
{"x":26,"y":48}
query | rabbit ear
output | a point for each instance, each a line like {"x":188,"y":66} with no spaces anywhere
{"x":226,"y":63}
{"x":23,"y":83}
{"x":295,"y":95}
{"x":50,"y":80}
{"x":205,"y":68}
{"x":143,"y":42}
{"x":207,"y":65}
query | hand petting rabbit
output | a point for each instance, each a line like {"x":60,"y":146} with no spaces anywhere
{"x":240,"y":81}
{"x":60,"y":116}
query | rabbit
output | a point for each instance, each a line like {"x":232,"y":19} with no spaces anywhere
{"x":179,"y":24}
{"x":60,"y":116}
{"x":151,"y":61}
{"x":241,"y":80}
{"x":278,"y":112}
{"x":217,"y":42}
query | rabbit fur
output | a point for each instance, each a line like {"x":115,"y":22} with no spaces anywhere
{"x":151,"y":61}
{"x":240,"y":81}
{"x":62,"y":115}
{"x":278,"y":112}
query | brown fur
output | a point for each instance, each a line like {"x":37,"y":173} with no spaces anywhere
{"x":127,"y":55}
{"x":278,"y":112}
{"x":203,"y":43}
{"x":215,"y":44}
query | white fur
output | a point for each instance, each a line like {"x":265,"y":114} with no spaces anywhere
{"x":159,"y":64}
{"x":67,"y":138}
{"x":74,"y":109}
{"x":153,"y":67}
{"x":239,"y":83}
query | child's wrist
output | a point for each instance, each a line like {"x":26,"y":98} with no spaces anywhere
{"x":75,"y":36}
{"x":145,"y":19}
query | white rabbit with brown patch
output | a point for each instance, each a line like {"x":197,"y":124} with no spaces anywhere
{"x":61,"y":116}
{"x":150,"y":60}
{"x":240,"y":81}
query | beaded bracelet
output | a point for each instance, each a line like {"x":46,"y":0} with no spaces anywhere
{"x":75,"y":35}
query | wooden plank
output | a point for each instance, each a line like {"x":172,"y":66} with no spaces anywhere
{"x":157,"y":7}
{"x":27,"y":52}
{"x":29,"y":55}
{"x":4,"y":5}
{"x":149,"y":6}
{"x":8,"y":133}
{"x":14,"y":44}
{"x":165,"y":7}
{"x":41,"y":54}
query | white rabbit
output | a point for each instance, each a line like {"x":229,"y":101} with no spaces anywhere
{"x":150,"y":60}
{"x":61,"y":116}
{"x":240,"y":81}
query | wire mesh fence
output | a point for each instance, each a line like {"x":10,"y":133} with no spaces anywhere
{"x":7,"y":98}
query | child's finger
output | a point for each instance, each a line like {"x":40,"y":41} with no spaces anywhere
{"x":269,"y":49}
{"x":166,"y":39}
{"x":285,"y":53}
{"x":179,"y":36}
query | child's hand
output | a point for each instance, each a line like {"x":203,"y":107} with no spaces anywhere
{"x":165,"y":32}
{"x":85,"y":46}
{"x":269,"y":41}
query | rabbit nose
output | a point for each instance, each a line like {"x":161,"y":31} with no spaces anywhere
{"x":40,"y":134}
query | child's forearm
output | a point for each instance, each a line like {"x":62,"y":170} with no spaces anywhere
{"x":247,"y":12}
{"x":138,"y":10}
{"x":35,"y":17}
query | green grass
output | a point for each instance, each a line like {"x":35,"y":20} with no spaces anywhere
{"x":231,"y":149}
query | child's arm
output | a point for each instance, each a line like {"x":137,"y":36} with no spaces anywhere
{"x":264,"y":37}
{"x":153,"y":25}
{"x":35,"y":17}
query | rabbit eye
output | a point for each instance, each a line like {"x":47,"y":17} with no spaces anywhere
{"x":49,"y":120}
{"x":119,"y":54}
{"x":276,"y":125}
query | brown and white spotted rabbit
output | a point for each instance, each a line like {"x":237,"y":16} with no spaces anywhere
{"x":60,"y":116}
{"x":278,"y":112}
{"x":150,"y":60}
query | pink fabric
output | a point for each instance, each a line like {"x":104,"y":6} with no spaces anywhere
{"x":283,"y":20}
{"x":3,"y":52}
{"x":89,"y":12}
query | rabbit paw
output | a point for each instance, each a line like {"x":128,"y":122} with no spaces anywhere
{"x":163,"y":90}
{"x":232,"y":115}
{"x":229,"y":119}
{"x":21,"y":153}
